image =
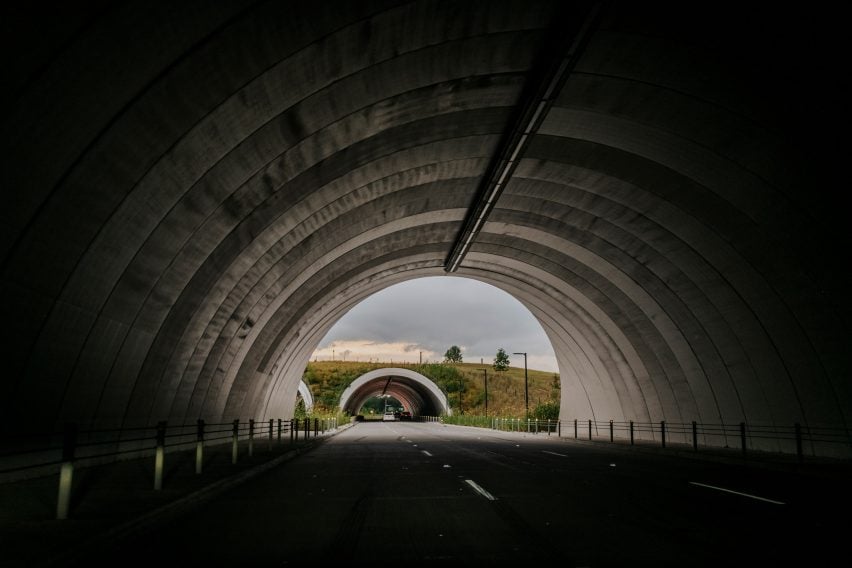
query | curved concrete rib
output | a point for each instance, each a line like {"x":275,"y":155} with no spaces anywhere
{"x":307,"y":395}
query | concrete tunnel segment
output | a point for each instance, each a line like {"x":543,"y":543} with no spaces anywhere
{"x":668,"y":205}
{"x":307,"y":396}
{"x":418,"y":393}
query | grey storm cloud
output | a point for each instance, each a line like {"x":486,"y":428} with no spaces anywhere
{"x":435,"y":313}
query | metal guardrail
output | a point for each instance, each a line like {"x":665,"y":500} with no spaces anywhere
{"x":41,"y":454}
{"x":830,"y":441}
{"x":795,"y":439}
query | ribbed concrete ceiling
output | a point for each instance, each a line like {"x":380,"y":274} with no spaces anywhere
{"x":194,"y":193}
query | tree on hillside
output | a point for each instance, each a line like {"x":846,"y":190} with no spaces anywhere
{"x":501,"y":361}
{"x":453,"y":355}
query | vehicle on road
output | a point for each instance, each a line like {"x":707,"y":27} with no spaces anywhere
{"x":405,"y":415}
{"x":388,"y":416}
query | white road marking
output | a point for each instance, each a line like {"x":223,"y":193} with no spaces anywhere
{"x":427,"y":453}
{"x":480,"y":490}
{"x":554,"y":454}
{"x":737,"y":493}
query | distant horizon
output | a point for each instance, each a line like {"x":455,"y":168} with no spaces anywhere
{"x":431,"y":314}
{"x":512,"y":364}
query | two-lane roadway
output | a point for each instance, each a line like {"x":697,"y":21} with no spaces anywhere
{"x":413,"y":494}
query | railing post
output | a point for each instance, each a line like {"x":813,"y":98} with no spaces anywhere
{"x":799,"y":452}
{"x":159,"y":456}
{"x":575,"y":428}
{"x":694,"y":435}
{"x":66,"y":471}
{"x":292,"y":430}
{"x":610,"y":432}
{"x":280,"y":426}
{"x":316,"y":426}
{"x":307,"y":428}
{"x":271,"y":428}
{"x":590,"y":429}
{"x":251,"y":437}
{"x":663,"y":432}
{"x":559,"y":428}
{"x":199,"y":446}
{"x":631,"y":432}
{"x":235,"y":448}
{"x":743,"y":436}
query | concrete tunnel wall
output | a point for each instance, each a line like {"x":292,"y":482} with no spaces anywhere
{"x":193,"y":194}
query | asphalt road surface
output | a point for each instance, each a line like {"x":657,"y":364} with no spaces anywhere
{"x":410,"y":494}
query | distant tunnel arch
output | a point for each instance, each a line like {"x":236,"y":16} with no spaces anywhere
{"x":418,"y":393}
{"x":307,"y":396}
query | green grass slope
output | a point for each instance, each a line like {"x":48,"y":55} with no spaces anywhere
{"x":328,"y":379}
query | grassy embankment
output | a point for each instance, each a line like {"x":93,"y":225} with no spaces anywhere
{"x":328,"y":379}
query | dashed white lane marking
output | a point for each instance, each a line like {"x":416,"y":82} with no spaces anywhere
{"x":554,"y":454}
{"x":427,"y":453}
{"x":480,"y":490}
{"x":737,"y":493}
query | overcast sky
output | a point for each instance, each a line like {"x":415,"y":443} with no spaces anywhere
{"x":432,"y":314}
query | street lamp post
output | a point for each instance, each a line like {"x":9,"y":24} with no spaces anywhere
{"x":486,"y":391}
{"x":526,"y":385}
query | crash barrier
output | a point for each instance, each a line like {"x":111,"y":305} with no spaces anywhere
{"x":44,"y":454}
{"x":801,"y":440}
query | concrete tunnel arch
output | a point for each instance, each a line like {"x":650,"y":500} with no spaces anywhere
{"x":417,"y":392}
{"x":658,"y":189}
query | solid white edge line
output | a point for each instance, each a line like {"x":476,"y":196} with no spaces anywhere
{"x":737,"y":493}
{"x":554,"y":454}
{"x":427,"y":453}
{"x":480,"y":490}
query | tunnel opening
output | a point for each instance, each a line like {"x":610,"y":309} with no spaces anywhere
{"x":410,"y":391}
{"x":414,"y":322}
{"x":378,"y":406}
